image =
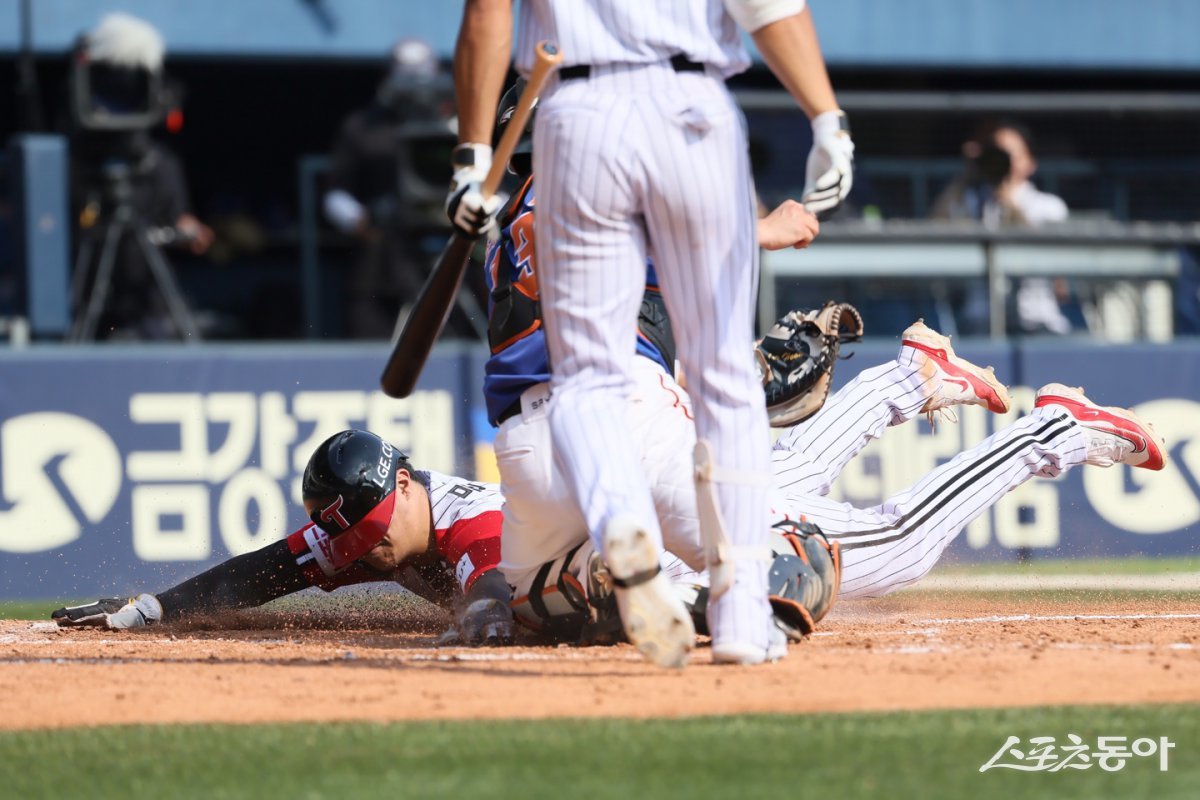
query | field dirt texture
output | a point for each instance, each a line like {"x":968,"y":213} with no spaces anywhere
{"x":911,"y":651}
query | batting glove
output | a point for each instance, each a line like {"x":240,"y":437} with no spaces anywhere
{"x":469,"y":211}
{"x":113,"y":613}
{"x":487,"y":622}
{"x":830,"y":169}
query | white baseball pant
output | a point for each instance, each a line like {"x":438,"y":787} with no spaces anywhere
{"x":632,"y":161}
{"x":897,"y":542}
{"x":542,"y":523}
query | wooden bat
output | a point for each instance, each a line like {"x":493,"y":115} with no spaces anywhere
{"x":436,"y":300}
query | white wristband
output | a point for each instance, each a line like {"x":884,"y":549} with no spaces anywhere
{"x":827,"y":123}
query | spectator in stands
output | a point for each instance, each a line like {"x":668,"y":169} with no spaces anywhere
{"x":995,"y":187}
{"x":367,"y":196}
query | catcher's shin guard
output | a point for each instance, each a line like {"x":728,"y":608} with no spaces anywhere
{"x":555,"y":604}
{"x":719,"y":554}
{"x":805,"y":576}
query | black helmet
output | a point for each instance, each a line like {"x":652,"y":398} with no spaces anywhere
{"x":349,"y":491}
{"x":521,"y":162}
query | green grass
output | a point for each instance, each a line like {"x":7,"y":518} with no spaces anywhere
{"x":1141,"y":565}
{"x":902,"y":755}
{"x":34,"y":609}
{"x":1030,"y":601}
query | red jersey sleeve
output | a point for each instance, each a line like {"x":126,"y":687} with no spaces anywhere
{"x":471,"y":546}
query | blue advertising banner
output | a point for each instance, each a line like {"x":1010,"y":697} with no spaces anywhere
{"x":1089,"y":512}
{"x":135,"y":468}
{"x":128,"y":469}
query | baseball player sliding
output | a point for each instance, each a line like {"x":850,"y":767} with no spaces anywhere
{"x":377,"y":518}
{"x":640,"y":148}
{"x":436,"y":526}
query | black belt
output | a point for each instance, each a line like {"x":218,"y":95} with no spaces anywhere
{"x":679,"y":63}
{"x":509,"y":413}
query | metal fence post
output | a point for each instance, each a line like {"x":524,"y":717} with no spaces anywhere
{"x":997,"y":290}
{"x":310,"y":258}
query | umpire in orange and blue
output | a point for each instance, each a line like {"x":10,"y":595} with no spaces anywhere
{"x":641,"y":150}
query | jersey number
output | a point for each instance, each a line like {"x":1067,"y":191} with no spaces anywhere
{"x":465,"y":490}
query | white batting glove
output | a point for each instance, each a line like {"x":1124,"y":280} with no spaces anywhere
{"x":830,"y":169}
{"x":469,"y":211}
{"x":112,"y":613}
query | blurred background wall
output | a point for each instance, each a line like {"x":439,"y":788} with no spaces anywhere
{"x":300,"y":159}
{"x":1109,"y":92}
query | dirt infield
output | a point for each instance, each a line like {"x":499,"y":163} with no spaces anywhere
{"x":914,"y":651}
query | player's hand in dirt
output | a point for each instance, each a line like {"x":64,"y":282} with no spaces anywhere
{"x":114,"y":613}
{"x":486,"y":623}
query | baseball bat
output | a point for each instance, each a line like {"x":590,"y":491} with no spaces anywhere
{"x":436,"y":300}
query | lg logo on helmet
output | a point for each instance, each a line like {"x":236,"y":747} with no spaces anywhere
{"x":58,"y":472}
{"x":333,"y":513}
{"x":384,"y":467}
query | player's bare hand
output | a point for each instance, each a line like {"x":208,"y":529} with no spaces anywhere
{"x":789,"y":225}
{"x":830,"y":168}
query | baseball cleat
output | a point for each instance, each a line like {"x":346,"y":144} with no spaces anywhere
{"x":654,"y":617}
{"x":1115,"y":435}
{"x":955,"y":381}
{"x":745,"y":654}
{"x":113,"y":613}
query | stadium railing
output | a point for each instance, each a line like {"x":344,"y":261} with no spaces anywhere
{"x":1143,"y":257}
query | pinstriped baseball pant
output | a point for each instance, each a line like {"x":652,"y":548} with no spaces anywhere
{"x":637,"y":162}
{"x":897,"y":542}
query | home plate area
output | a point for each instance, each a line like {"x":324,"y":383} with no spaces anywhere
{"x":909,"y":651}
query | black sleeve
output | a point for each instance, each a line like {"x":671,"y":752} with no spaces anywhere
{"x":241,"y":582}
{"x":490,"y":585}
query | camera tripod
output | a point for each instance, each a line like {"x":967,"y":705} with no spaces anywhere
{"x":119,"y":221}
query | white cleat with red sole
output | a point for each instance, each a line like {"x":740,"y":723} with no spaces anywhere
{"x":1115,"y":435}
{"x":956,"y":381}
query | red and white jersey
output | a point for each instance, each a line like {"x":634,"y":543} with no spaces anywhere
{"x":466,"y":525}
{"x":632,"y":32}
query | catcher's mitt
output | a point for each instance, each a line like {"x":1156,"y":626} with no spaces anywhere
{"x":796,"y":357}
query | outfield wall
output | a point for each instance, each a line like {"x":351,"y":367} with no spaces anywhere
{"x":127,"y":468}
